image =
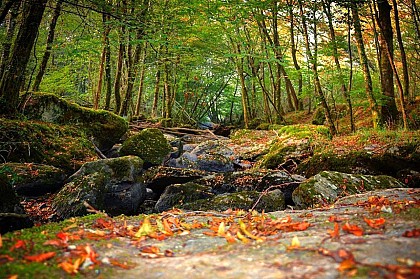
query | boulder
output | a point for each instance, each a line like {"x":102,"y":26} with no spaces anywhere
{"x":150,"y":145}
{"x":178,"y":194}
{"x":12,"y":214}
{"x":212,"y":156}
{"x":112,"y":185}
{"x":268,"y":202}
{"x":105,"y":127}
{"x":64,"y":147}
{"x":29,"y":179}
{"x":327,"y":186}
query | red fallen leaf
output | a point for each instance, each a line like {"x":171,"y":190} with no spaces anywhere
{"x":169,"y":253}
{"x":353,"y":229}
{"x":1,"y":241}
{"x":413,"y":233}
{"x":71,"y":268}
{"x":104,"y":224}
{"x":117,"y":263}
{"x":40,"y":257}
{"x":375,"y":223}
{"x":334,"y":218}
{"x":300,"y":226}
{"x":346,"y":264}
{"x":56,"y":242}
{"x":20,"y":244}
{"x":336,"y":232}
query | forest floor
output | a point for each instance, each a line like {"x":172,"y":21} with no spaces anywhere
{"x":371,"y":235}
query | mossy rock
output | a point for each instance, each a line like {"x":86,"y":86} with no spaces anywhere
{"x":271,"y":201}
{"x":150,"y":145}
{"x":177,"y":195}
{"x":63,"y":147}
{"x":30,"y":179}
{"x":318,"y":117}
{"x":326,"y":187}
{"x":112,"y":185}
{"x":105,"y":127}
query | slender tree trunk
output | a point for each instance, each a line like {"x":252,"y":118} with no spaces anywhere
{"x":141,"y":85}
{"x":327,"y":10}
{"x":156,"y":93}
{"x":314,"y":68}
{"x":365,"y":66}
{"x":50,"y":40}
{"x":13,"y":76}
{"x":389,"y":110}
{"x":402,"y":49}
{"x":6,"y":7}
{"x":108,"y":81}
{"x":7,"y":44}
{"x":120,"y":61}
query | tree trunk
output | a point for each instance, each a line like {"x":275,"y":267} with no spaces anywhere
{"x":7,"y":44}
{"x":13,"y":76}
{"x":156,"y":93}
{"x":389,"y":110}
{"x":50,"y":40}
{"x":327,"y":10}
{"x":141,"y":85}
{"x":365,"y":67}
{"x":108,"y":81}
{"x":314,"y":68}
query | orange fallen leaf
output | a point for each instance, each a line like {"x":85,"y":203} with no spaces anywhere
{"x":14,"y":276}
{"x":5,"y":258}
{"x":353,"y":229}
{"x":336,"y":232}
{"x":375,"y":223}
{"x":69,"y":267}
{"x":346,"y":264}
{"x":20,"y":244}
{"x":1,"y":241}
{"x":301,"y":226}
{"x":146,"y":229}
{"x":229,"y":238}
{"x":114,"y":262}
{"x":40,"y":257}
{"x":150,"y":249}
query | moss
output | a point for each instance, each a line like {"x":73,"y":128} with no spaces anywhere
{"x":45,"y":143}
{"x":105,"y":127}
{"x":319,"y":116}
{"x":150,"y":145}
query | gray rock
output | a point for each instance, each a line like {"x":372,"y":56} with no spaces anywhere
{"x":111,"y":185}
{"x":327,"y":186}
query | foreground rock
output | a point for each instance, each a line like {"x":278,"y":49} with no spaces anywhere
{"x":327,"y":186}
{"x":105,"y":127}
{"x":112,"y":185}
{"x":30,"y":179}
{"x":370,"y":235}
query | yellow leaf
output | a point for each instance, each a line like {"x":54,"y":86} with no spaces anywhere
{"x":145,"y":229}
{"x":242,"y":225}
{"x":295,"y":242}
{"x":222,"y":229}
{"x":241,"y":237}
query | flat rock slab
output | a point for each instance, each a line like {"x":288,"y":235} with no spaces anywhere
{"x":379,"y":252}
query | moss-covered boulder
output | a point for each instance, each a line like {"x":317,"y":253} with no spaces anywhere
{"x":12,"y":214}
{"x":327,"y":186}
{"x":64,"y":147}
{"x":112,"y":185}
{"x":294,"y":144}
{"x":30,"y":179}
{"x":268,"y":202}
{"x":150,"y":145}
{"x":105,"y":127}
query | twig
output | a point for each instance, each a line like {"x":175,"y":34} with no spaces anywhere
{"x":97,"y":150}
{"x":11,"y":214}
{"x":91,"y":209}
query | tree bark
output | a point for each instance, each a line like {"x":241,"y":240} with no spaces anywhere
{"x":50,"y":40}
{"x":108,"y":81}
{"x":389,"y":112}
{"x":365,"y":67}
{"x":13,"y":76}
{"x":7,"y":44}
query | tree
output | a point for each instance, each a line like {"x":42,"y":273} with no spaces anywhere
{"x":13,"y":76}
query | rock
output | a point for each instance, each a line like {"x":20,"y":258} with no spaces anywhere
{"x":105,"y":127}
{"x":270,"y":201}
{"x":64,"y":147}
{"x":327,"y":186}
{"x":30,"y":179}
{"x":112,"y":185}
{"x":12,"y":214}
{"x":150,"y":145}
{"x":293,"y":146}
{"x":158,"y":178}
{"x":178,"y":194}
{"x":212,"y":156}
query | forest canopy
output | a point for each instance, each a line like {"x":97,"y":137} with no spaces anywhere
{"x":232,"y":62}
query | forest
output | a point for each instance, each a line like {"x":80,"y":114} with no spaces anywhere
{"x":232,"y":62}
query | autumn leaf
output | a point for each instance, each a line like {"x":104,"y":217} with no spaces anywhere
{"x":114,"y":262}
{"x":375,"y":223}
{"x":222,"y":229}
{"x":413,"y":233}
{"x":300,"y":226}
{"x":40,"y":257}
{"x":353,"y":229}
{"x":145,"y":229}
{"x":295,"y":243}
{"x":20,"y":244}
{"x":69,"y":267}
{"x":346,"y":264}
{"x":241,"y":237}
{"x":5,"y":258}
{"x":229,"y":238}
{"x":243,"y":228}
{"x":1,"y":241}
{"x":336,"y":232}
{"x":150,"y":249}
